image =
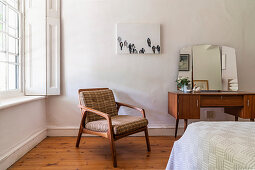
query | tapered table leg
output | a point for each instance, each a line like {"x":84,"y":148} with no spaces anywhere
{"x":176,"y":126}
{"x":185,"y":124}
{"x":236,"y":118}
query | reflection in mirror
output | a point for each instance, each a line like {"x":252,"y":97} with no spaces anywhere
{"x":185,"y":70}
{"x":210,"y":67}
{"x":229,"y":69}
{"x":207,"y":67}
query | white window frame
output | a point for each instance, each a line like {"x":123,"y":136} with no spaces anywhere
{"x":20,"y":12}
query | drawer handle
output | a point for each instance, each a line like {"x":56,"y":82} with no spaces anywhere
{"x":248,"y":103}
{"x":197,"y":102}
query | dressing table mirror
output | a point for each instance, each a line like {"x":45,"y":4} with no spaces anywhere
{"x":213,"y":69}
{"x":209,"y":67}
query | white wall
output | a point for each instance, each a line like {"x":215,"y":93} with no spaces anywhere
{"x":89,"y":56}
{"x":17,"y":125}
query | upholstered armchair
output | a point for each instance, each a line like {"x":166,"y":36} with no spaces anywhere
{"x":100,"y":117}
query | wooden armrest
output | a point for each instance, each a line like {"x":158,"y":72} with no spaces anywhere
{"x":132,"y":107}
{"x":96,"y":112}
{"x":106,"y":116}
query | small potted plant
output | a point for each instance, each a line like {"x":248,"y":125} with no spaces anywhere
{"x":183,"y":83}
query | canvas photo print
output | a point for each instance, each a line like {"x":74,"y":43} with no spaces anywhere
{"x":138,"y":39}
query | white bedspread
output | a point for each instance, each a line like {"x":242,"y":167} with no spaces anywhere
{"x":215,"y":145}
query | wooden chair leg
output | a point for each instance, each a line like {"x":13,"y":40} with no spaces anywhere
{"x":114,"y":160}
{"x":176,"y":127}
{"x":79,"y":137}
{"x":147,"y":140}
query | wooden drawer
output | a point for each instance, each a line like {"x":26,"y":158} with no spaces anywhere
{"x":218,"y":100}
{"x":248,"y":111}
{"x":189,"y":107}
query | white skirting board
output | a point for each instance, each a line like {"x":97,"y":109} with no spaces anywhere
{"x":21,"y":149}
{"x":73,"y":131}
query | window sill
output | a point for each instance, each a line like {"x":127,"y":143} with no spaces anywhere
{"x":5,"y":103}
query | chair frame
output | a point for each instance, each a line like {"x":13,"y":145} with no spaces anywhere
{"x":109,"y":134}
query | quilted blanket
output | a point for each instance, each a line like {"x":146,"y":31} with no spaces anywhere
{"x":215,"y":145}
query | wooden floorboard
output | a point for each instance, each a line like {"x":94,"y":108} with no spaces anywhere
{"x":94,"y":153}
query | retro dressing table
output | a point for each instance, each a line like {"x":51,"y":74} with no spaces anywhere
{"x":187,"y":105}
{"x":213,"y":69}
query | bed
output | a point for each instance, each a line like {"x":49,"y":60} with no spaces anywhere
{"x":215,"y":145}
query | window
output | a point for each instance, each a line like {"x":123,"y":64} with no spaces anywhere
{"x":10,"y":43}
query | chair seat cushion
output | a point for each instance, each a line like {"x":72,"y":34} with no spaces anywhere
{"x":121,"y":124}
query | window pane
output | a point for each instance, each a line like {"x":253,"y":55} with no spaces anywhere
{"x":13,"y":3}
{"x":14,"y":59}
{"x":3,"y":56}
{"x":2,"y":12}
{"x":13,"y":19}
{"x":2,"y":42}
{"x":13,"y":76}
{"x":13,"y":45}
{"x":9,"y":45}
{"x":13,"y":32}
{"x":3,"y":68}
{"x":2,"y":27}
